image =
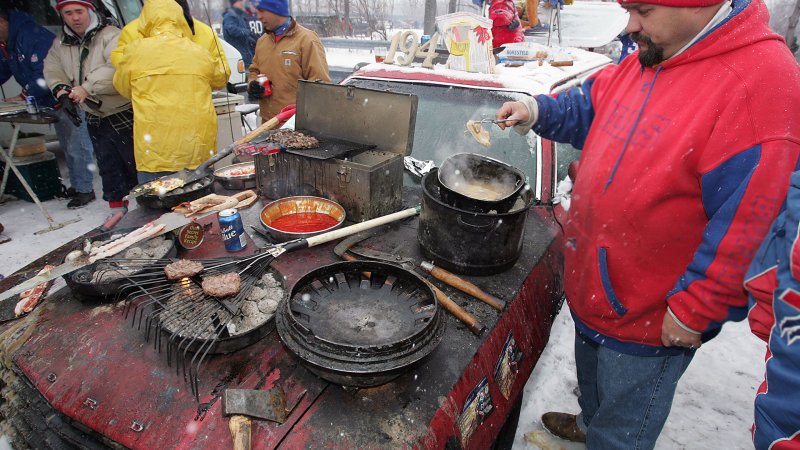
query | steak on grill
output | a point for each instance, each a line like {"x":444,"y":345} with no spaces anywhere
{"x":182,"y":268}
{"x":222,"y":285}
{"x":293,"y":139}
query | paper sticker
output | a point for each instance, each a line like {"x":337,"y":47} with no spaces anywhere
{"x":476,"y":408}
{"x":507,"y":366}
{"x":191,"y":236}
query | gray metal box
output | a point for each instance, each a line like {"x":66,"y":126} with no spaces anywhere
{"x":367,"y":184}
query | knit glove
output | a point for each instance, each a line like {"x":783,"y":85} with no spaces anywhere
{"x":255,"y":90}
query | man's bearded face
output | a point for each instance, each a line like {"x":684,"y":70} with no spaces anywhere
{"x":650,"y":54}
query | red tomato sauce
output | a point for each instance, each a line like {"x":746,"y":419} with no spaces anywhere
{"x":303,"y":222}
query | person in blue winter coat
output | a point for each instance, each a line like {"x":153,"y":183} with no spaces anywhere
{"x":23,"y":48}
{"x":773,"y":284}
{"x":241,"y":30}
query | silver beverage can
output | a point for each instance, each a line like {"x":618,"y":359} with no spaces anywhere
{"x":232,"y":229}
{"x":30,"y":105}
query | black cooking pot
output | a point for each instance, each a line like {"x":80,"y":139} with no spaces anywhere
{"x":478,"y":183}
{"x":466,"y":241}
{"x":192,"y":191}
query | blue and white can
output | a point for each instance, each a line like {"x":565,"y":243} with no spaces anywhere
{"x":30,"y":105}
{"x":232,"y":229}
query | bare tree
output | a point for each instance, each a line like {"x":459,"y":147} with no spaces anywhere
{"x":430,"y":17}
{"x":375,"y":13}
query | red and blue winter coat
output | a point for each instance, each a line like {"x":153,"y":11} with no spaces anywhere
{"x":684,"y":167}
{"x":773,"y":282}
{"x":23,"y":56}
{"x":506,"y":27}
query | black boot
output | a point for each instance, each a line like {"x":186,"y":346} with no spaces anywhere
{"x":80,"y":200}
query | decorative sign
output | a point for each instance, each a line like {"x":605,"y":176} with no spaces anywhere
{"x":191,"y":236}
{"x":408,"y":44}
{"x":468,"y":38}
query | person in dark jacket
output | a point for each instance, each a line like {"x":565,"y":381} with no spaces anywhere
{"x":241,"y":30}
{"x":773,"y":284}
{"x":23,"y":48}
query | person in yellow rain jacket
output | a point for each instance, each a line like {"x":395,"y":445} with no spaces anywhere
{"x":169,"y":80}
{"x":202,"y":35}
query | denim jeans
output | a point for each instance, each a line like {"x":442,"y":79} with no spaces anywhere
{"x":78,"y":151}
{"x":624,"y":399}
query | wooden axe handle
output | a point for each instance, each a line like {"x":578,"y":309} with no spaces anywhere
{"x":240,"y":432}
{"x":452,"y":307}
{"x":462,"y":285}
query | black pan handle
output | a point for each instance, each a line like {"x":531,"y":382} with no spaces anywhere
{"x":202,"y":168}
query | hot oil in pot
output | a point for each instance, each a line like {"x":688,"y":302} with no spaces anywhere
{"x":303,"y":222}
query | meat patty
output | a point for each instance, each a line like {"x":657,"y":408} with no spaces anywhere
{"x":223,"y":285}
{"x":182,"y":268}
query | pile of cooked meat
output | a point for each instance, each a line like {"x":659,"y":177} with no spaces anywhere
{"x":293,"y":139}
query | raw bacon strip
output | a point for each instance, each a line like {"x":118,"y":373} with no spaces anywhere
{"x":30,"y":298}
{"x":128,"y":240}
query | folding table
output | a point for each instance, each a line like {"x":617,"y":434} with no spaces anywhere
{"x":17,"y":120}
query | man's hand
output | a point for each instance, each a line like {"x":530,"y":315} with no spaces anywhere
{"x":673,"y":335}
{"x":513,"y":113}
{"x":78,"y":94}
{"x":255,"y":90}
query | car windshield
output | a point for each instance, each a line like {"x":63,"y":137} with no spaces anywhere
{"x":442,"y":115}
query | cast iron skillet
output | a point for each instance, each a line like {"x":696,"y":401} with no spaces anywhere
{"x":171,"y":199}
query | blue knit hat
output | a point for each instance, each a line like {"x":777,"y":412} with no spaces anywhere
{"x":279,"y":7}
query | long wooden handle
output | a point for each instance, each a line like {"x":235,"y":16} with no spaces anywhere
{"x":266,"y":126}
{"x":240,"y":432}
{"x":366,"y":225}
{"x":462,"y":285}
{"x":452,"y":307}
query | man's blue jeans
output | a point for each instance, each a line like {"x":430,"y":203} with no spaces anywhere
{"x":78,"y":151}
{"x":624,"y":399}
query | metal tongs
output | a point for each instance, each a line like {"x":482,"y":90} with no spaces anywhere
{"x":491,"y":120}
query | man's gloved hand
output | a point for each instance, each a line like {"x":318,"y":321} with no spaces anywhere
{"x":513,"y":25}
{"x":70,"y":109}
{"x":255,"y":90}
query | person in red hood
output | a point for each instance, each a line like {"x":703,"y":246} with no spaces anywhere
{"x":687,"y":148}
{"x":506,"y":27}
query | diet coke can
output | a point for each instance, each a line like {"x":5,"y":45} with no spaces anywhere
{"x":232,"y":229}
{"x":264,"y":81}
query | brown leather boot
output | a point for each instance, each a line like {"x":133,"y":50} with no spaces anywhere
{"x":564,"y":426}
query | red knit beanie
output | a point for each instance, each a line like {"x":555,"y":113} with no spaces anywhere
{"x":62,"y":3}
{"x":675,"y":3}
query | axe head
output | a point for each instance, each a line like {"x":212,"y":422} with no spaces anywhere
{"x":267,"y":404}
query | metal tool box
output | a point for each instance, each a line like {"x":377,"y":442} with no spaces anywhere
{"x":366,"y":183}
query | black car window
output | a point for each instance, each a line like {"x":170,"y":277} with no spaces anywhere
{"x":442,"y":115}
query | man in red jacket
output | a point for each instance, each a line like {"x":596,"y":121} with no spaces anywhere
{"x":687,"y":150}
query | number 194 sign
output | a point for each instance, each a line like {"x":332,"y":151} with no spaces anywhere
{"x":406,"y":47}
